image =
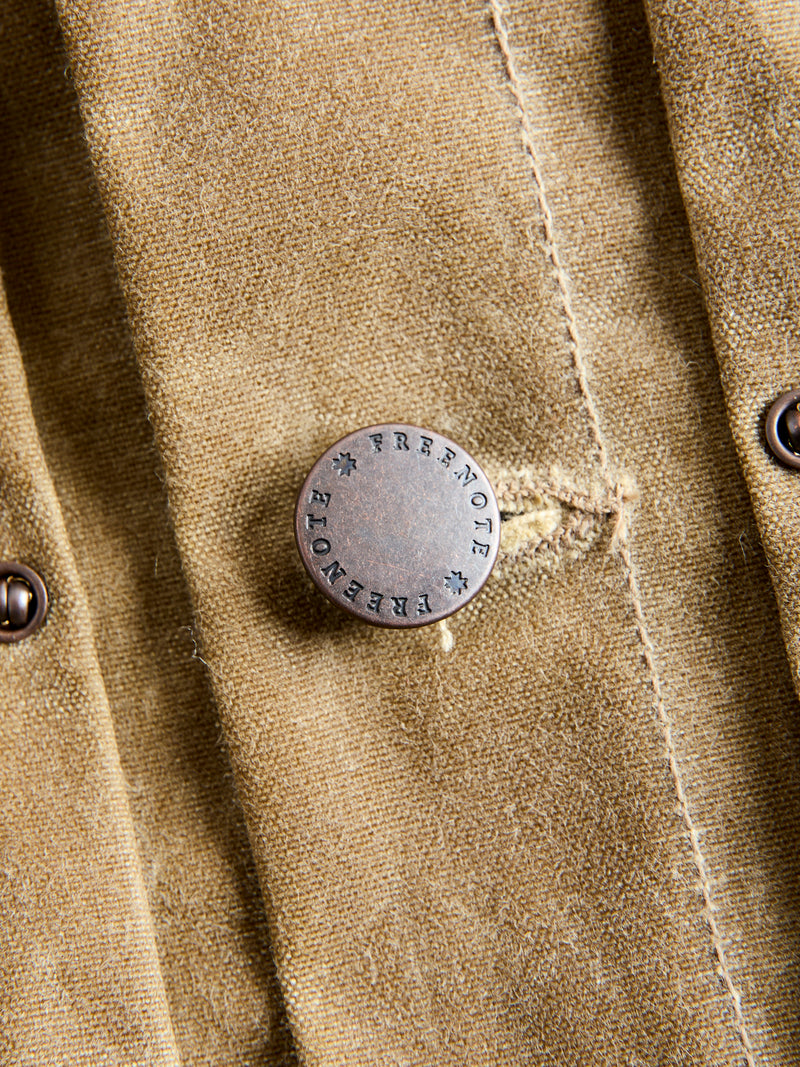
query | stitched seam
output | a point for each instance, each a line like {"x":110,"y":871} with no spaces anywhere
{"x":620,"y":537}
{"x":551,"y":250}
{"x":579,"y":531}
{"x":694,"y":838}
{"x":508,"y":492}
{"x":575,"y":530}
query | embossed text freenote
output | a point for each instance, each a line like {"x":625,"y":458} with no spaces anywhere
{"x":404,"y":442}
{"x":377,"y":602}
{"x":396,"y":604}
{"x":400,"y":442}
{"x":402,"y":497}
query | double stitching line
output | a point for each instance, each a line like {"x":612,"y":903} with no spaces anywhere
{"x":620,"y":532}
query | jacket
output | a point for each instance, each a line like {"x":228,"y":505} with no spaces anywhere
{"x":240,"y":827}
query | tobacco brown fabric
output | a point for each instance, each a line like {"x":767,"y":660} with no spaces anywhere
{"x":74,"y":989}
{"x":733,"y":88}
{"x":562,"y":829}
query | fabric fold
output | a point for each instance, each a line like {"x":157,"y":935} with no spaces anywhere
{"x":731,"y":80}
{"x":327,"y":217}
{"x":100,"y":495}
{"x":81,"y":976}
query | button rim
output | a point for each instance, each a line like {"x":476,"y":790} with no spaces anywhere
{"x":780,"y":451}
{"x":379,"y":622}
{"x":12,"y":569}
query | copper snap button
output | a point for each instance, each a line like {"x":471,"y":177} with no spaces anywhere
{"x":23,"y":601}
{"x":397,"y":525}
{"x":783,"y":429}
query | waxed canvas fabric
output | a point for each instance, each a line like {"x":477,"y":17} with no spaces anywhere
{"x":240,"y":827}
{"x":744,"y":223}
{"x":142,"y":833}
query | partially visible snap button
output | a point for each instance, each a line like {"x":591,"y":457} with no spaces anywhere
{"x":783,"y":429}
{"x":23,"y":601}
{"x":398,"y":526}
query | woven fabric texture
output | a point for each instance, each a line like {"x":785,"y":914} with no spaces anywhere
{"x":240,"y":827}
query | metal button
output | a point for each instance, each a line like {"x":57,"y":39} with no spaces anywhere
{"x":783,"y":429}
{"x":397,"y":525}
{"x":23,"y":601}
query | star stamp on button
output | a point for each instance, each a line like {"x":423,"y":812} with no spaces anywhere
{"x":397,"y":525}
